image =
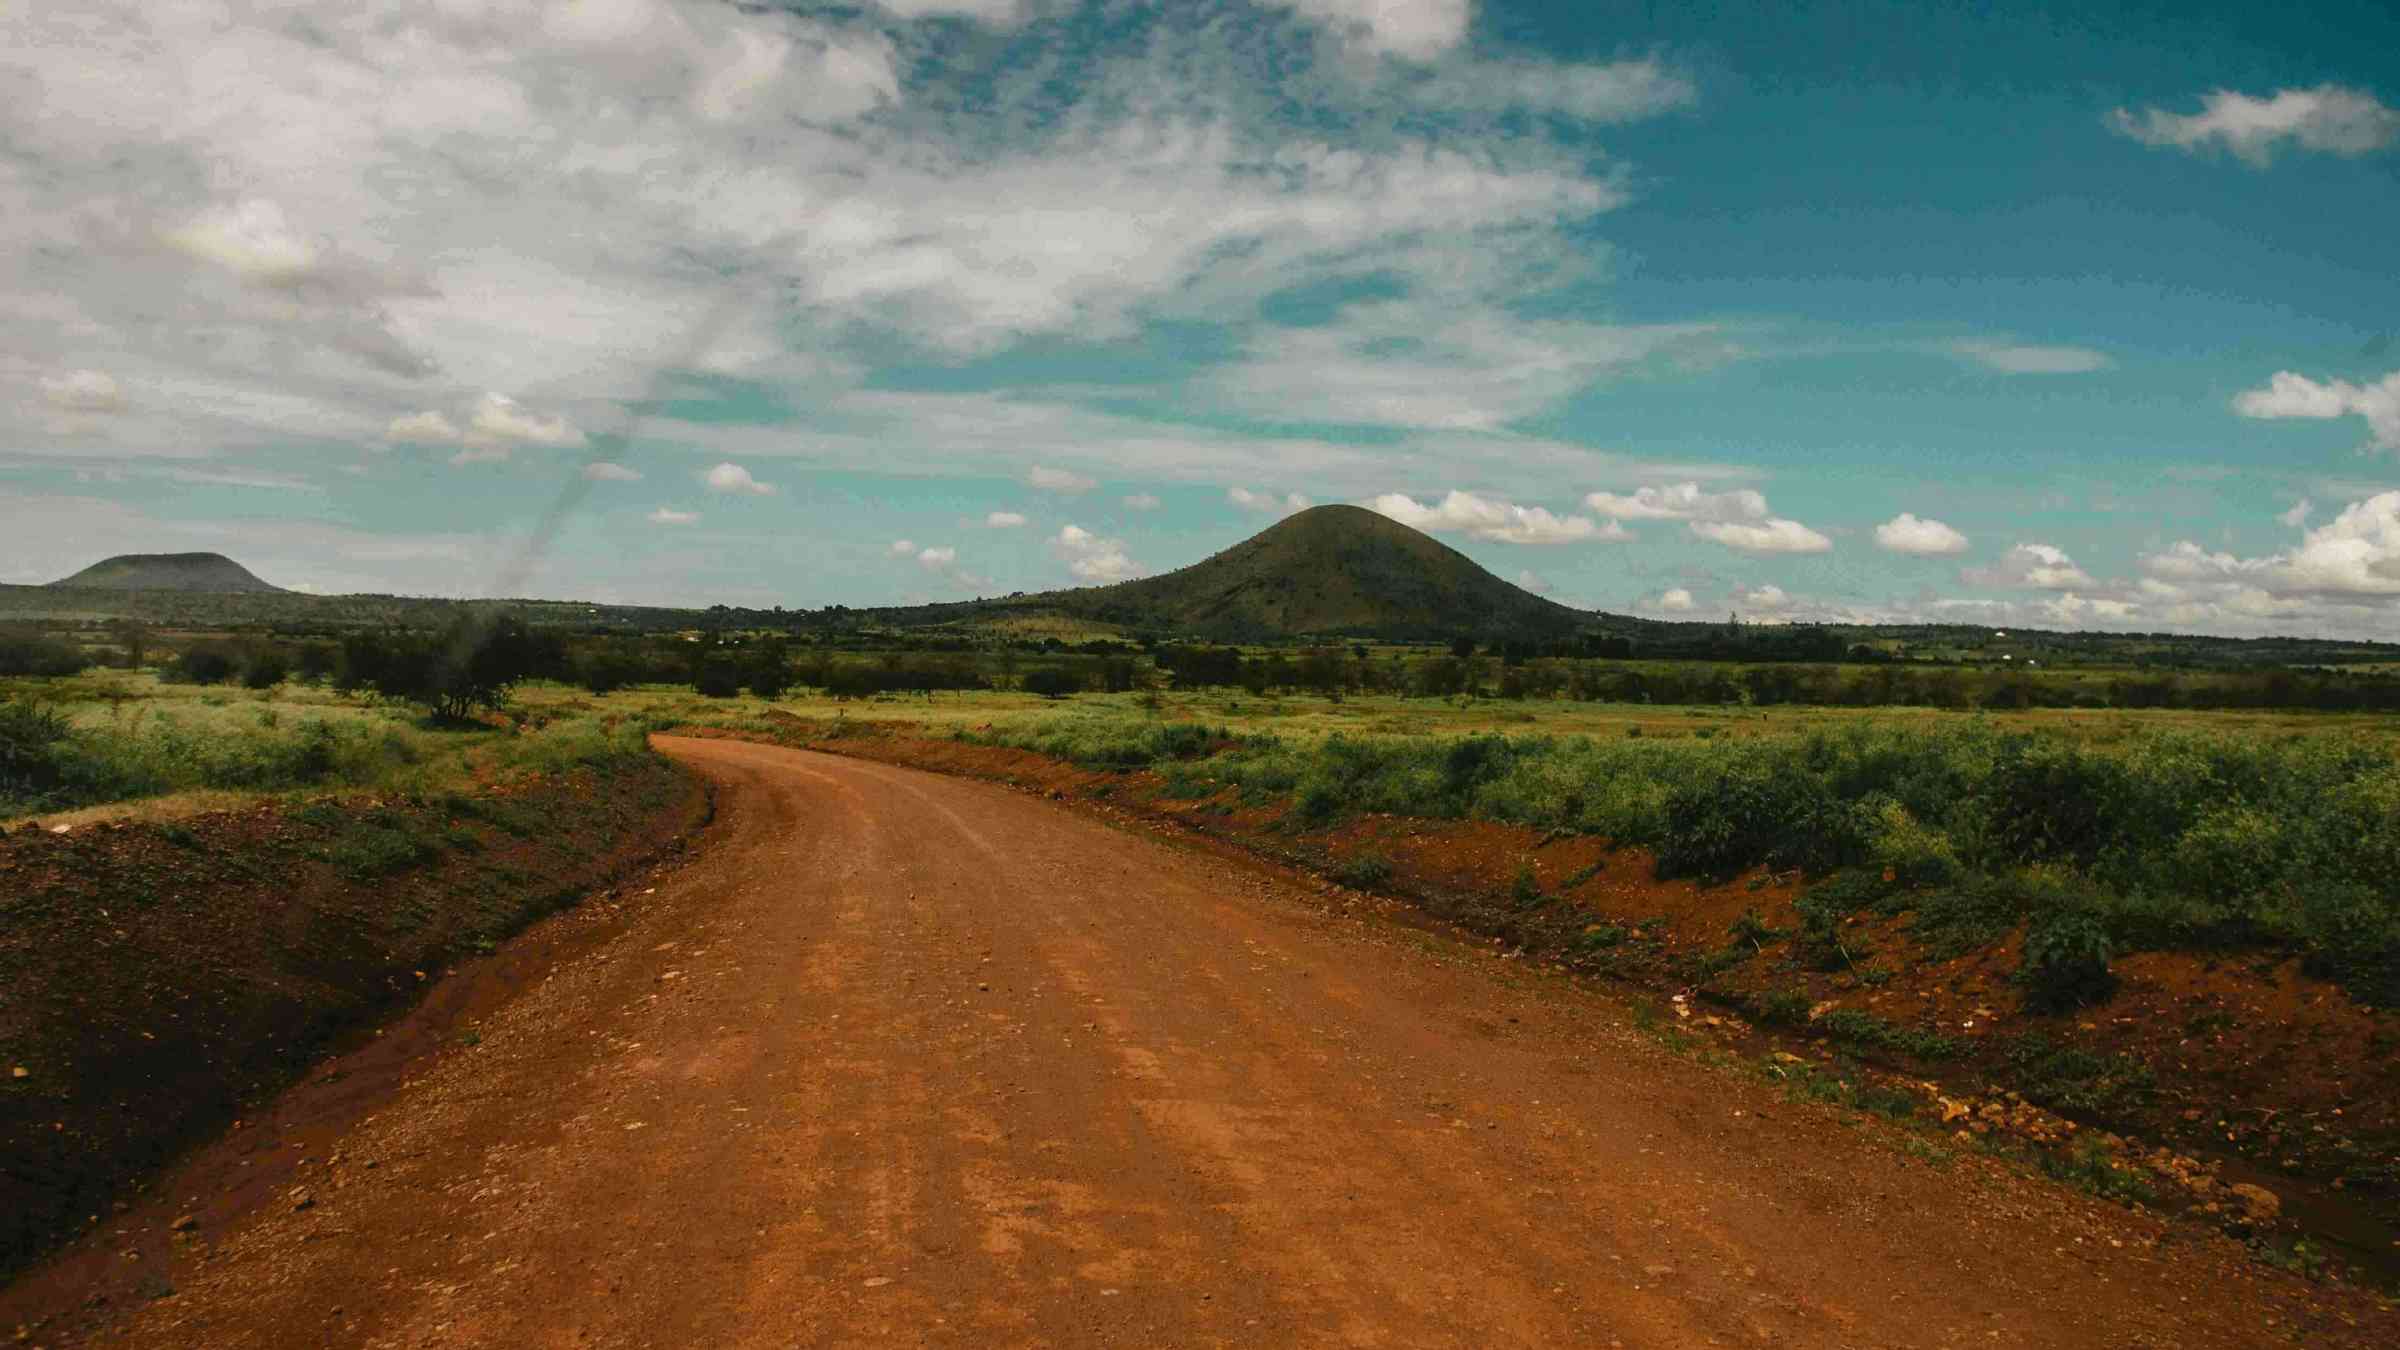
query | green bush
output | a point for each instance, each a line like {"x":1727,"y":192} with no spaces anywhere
{"x":26,"y":653}
{"x":2067,"y":950}
{"x":29,"y":754}
{"x":1053,"y":682}
{"x":2076,"y":1080}
{"x":1364,"y":872}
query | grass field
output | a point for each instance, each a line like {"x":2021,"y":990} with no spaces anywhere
{"x":2095,"y":831}
{"x":1310,"y":718}
{"x":178,"y":748}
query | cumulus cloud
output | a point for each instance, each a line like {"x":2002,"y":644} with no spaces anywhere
{"x":84,"y":391}
{"x":1738,"y":518}
{"x":936,"y":559}
{"x":500,"y":420}
{"x":1003,"y":520}
{"x":1059,"y":480}
{"x":731,"y":478}
{"x":1528,"y":579}
{"x":902,"y":548}
{"x":1483,"y":518}
{"x":2354,"y":555}
{"x":1674,"y":600}
{"x":2289,"y":394}
{"x":669,"y":516}
{"x":1091,"y":558}
{"x":1771,"y":599}
{"x":608,"y":471}
{"x":1680,"y":501}
{"x":497,"y":426}
{"x":1267,"y":502}
{"x":424,"y":428}
{"x":2031,"y":566}
{"x":2298,"y":515}
{"x":1142,"y":501}
{"x":250,"y":238}
{"x":1417,"y":30}
{"x":2019,"y":359}
{"x":2328,"y":118}
{"x":1762,"y":536}
{"x":1905,"y":533}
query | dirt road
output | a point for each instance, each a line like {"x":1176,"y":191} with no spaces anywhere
{"x":907,"y":1060}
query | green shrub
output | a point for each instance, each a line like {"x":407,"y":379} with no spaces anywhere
{"x":2067,"y":951}
{"x":29,"y":753}
{"x":717,"y":677}
{"x":2076,"y":1080}
{"x":1364,"y":872}
{"x":29,"y":653}
{"x":1852,"y":1027}
{"x":1525,"y":888}
{"x":1053,"y":682}
{"x":367,"y":851}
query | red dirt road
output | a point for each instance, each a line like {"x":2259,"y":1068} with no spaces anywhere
{"x":910,"y":1060}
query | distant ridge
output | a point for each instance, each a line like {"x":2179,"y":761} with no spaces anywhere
{"x":210,"y":572}
{"x":1329,"y":571}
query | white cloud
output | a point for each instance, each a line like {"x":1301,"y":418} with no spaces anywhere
{"x":1528,"y":579}
{"x":1618,"y":91}
{"x":733,"y":478}
{"x":250,"y":238}
{"x":2329,"y":118}
{"x":358,"y":208}
{"x":1482,"y":518}
{"x":1003,"y":520}
{"x":497,"y":426}
{"x":2298,"y":515}
{"x":2293,"y":395}
{"x":1905,"y":533}
{"x":1763,"y":536}
{"x":1059,"y":480}
{"x":1737,"y":518}
{"x":1680,"y":501}
{"x":425,"y":428}
{"x":501,"y":421}
{"x":988,"y":11}
{"x":2031,"y":566}
{"x":1267,"y":502}
{"x":1092,"y":558}
{"x":669,"y":516}
{"x":1450,"y":361}
{"x":1770,"y":599}
{"x":1141,"y":501}
{"x":902,"y":548}
{"x":2354,"y":555}
{"x":84,"y":391}
{"x":1675,"y":600}
{"x":936,"y":559}
{"x":2019,"y":359}
{"x":608,"y":471}
{"x":1418,"y":30}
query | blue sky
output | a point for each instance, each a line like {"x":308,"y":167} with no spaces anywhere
{"x":2069,"y":315}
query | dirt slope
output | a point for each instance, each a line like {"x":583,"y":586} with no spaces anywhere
{"x":906,"y":1060}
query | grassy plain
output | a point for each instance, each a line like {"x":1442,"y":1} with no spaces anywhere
{"x":175,"y":749}
{"x":1310,"y":718}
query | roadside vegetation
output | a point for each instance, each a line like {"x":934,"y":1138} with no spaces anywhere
{"x":2173,"y":839}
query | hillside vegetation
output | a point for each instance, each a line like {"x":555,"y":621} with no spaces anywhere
{"x":1335,"y":571}
{"x":204,"y":572}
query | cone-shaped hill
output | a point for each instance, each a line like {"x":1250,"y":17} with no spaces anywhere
{"x":1332,"y":571}
{"x":212,"y":572}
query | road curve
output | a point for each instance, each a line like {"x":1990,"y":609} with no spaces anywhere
{"x":910,"y":1060}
